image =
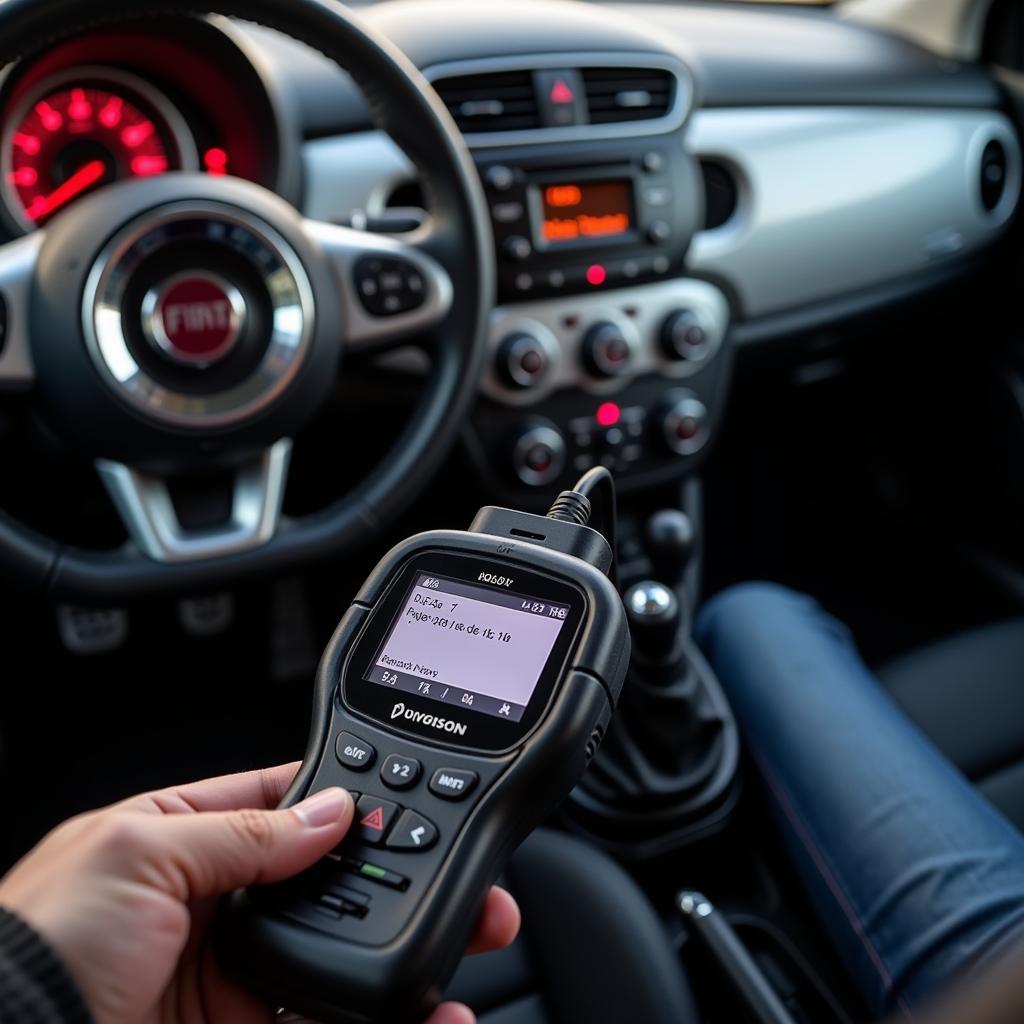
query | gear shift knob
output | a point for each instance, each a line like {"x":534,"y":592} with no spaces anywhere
{"x":670,"y":541}
{"x":654,"y":618}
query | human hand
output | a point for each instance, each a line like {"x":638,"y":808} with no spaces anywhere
{"x":126,"y":895}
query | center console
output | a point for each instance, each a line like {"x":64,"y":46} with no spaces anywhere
{"x":601,"y":351}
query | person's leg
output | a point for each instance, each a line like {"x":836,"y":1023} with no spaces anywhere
{"x":915,"y":876}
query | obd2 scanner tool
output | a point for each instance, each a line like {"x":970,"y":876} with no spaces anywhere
{"x":460,"y":700}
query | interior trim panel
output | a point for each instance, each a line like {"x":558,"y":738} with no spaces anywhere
{"x":834,"y":200}
{"x":831,"y":200}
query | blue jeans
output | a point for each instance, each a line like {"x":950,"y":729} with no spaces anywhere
{"x":914,"y":875}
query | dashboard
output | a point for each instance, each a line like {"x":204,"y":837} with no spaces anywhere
{"x":668,"y":184}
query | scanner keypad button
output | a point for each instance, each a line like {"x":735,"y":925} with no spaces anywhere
{"x":398,"y":772}
{"x":353,"y":752}
{"x":374,"y":817}
{"x":453,"y":783}
{"x":412,"y":832}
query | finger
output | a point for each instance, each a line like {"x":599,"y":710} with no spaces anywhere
{"x":261,"y":789}
{"x":193,"y":856}
{"x":452,"y":1013}
{"x":498,"y":924}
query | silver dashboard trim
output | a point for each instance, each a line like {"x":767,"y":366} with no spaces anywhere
{"x":681,"y":105}
{"x":838,"y":199}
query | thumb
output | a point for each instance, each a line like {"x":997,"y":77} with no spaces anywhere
{"x":210,"y":853}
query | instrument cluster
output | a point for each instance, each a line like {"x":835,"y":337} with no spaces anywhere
{"x":133,"y":102}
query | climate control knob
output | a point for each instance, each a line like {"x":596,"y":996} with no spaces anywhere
{"x":685,"y":336}
{"x":522,"y":361}
{"x":684,"y":423}
{"x":607,"y":352}
{"x":538,"y":454}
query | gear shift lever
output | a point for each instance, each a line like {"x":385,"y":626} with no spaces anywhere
{"x":669,"y":757}
{"x":670,"y":540}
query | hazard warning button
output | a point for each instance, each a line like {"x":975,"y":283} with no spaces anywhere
{"x":374,"y":817}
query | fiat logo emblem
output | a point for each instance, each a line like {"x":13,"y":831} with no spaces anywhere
{"x":194,"y":318}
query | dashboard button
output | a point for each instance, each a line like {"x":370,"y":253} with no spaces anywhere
{"x":659,"y":232}
{"x":374,"y":817}
{"x":399,"y":772}
{"x":607,"y":352}
{"x":652,"y":162}
{"x":685,"y":424}
{"x":684,"y":336}
{"x":500,"y":177}
{"x":353,"y":752}
{"x":518,"y":248}
{"x":413,"y":832}
{"x":522,"y":361}
{"x":508,"y":212}
{"x":453,"y":783}
{"x":538,"y":455}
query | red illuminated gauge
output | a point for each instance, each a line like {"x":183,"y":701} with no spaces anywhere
{"x":77,"y":132}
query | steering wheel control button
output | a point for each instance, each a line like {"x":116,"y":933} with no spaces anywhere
{"x":453,"y":783}
{"x":607,"y":352}
{"x":387,"y":286}
{"x":374,"y":817}
{"x":523,"y":361}
{"x":538,"y":456}
{"x":194,"y":318}
{"x":353,"y":752}
{"x":399,"y":772}
{"x":684,"y":336}
{"x":413,"y":832}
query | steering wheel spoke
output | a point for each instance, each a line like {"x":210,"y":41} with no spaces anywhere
{"x":391,"y":288}
{"x":149,"y":514}
{"x":17,"y":265}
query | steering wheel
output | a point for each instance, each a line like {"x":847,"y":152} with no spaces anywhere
{"x":174,"y":325}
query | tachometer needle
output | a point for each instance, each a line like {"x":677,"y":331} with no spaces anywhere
{"x":86,"y":176}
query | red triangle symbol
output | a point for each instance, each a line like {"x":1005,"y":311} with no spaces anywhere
{"x":560,"y":92}
{"x":375,"y":819}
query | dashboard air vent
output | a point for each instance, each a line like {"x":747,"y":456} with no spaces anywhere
{"x":628,"y":94}
{"x":500,"y":101}
{"x":993,"y":174}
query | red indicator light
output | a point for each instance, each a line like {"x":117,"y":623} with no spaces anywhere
{"x":79,"y":108}
{"x":28,"y":144}
{"x":596,"y":274}
{"x":560,"y":92}
{"x":110,"y":114}
{"x":144,"y":166}
{"x":608,"y":414}
{"x":215,"y":160}
{"x":50,"y":118}
{"x":136,"y":134}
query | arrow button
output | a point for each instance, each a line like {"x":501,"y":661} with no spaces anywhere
{"x":413,"y":832}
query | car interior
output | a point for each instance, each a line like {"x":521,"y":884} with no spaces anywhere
{"x":756,"y":259}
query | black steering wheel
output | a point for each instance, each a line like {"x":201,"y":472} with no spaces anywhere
{"x":171,"y":325}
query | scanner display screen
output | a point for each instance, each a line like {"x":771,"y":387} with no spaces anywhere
{"x":482,"y":647}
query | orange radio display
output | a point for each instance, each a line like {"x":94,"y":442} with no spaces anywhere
{"x":589,"y":209}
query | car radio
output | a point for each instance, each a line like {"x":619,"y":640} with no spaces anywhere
{"x":460,"y":700}
{"x":594,"y":218}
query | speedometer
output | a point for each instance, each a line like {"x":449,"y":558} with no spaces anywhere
{"x":74,"y":133}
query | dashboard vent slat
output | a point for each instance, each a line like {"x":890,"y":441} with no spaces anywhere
{"x":617,"y":94}
{"x":499,"y":101}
